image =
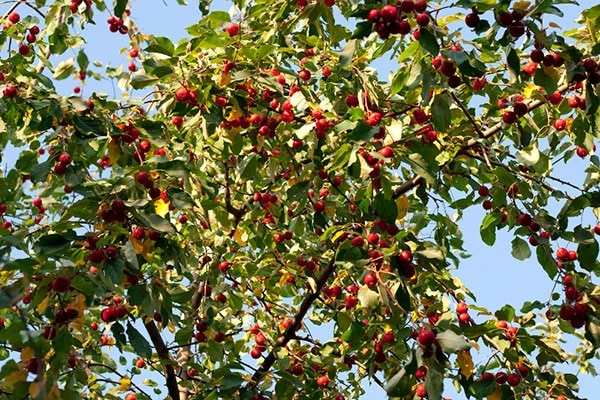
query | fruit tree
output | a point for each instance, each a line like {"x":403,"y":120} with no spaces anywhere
{"x":256,"y":212}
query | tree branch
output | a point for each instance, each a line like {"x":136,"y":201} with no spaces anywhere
{"x":290,"y":332}
{"x":164,"y":356}
{"x":488,"y":133}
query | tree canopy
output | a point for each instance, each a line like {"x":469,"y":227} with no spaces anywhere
{"x":256,"y":212}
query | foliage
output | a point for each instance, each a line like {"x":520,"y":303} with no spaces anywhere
{"x":258,"y":179}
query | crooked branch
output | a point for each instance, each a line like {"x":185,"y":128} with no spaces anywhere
{"x":163,"y":354}
{"x":488,"y":133}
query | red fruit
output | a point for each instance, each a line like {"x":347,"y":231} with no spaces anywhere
{"x":472,"y":20}
{"x":140,"y":363}
{"x":516,"y":29}
{"x":560,"y":124}
{"x":479,"y":84}
{"x":138,"y":233}
{"x":530,"y":68}
{"x":304,"y":75}
{"x":61,"y":284}
{"x":352,"y":100}
{"x":513,"y":379}
{"x":509,"y":117}
{"x":422,"y":19}
{"x":182,"y":95}
{"x":421,"y":372}
{"x":420,"y":390}
{"x":373,"y":238}
{"x":35,"y":365}
{"x":373,"y":15}
{"x":232,"y":29}
{"x":582,"y":152}
{"x":407,"y":6}
{"x":462,"y":307}
{"x":65,"y":158}
{"x":60,"y":169}
{"x":524,"y":219}
{"x":388,"y":13}
{"x":256,"y":352}
{"x":109,"y":314}
{"x":405,"y":256}
{"x":483,"y":191}
{"x":572,"y":255}
{"x":329,"y":3}
{"x":97,"y":256}
{"x":10,"y":92}
{"x":143,"y":178}
{"x":350,"y":302}
{"x":386,"y":152}
{"x":319,"y":206}
{"x":224,"y":266}
{"x":555,"y":98}
{"x":448,"y":68}
{"x":14,"y":17}
{"x":358,"y":241}
{"x":464,"y":318}
{"x":131,"y":396}
{"x":577,"y":321}
{"x":191,"y":372}
{"x":323,"y":381}
{"x":370,"y":280}
{"x":501,"y":377}
{"x":426,"y":338}
{"x":177,"y":120}
{"x":562,"y":254}
{"x":571,"y":293}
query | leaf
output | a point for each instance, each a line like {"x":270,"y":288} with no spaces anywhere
{"x":368,"y":298}
{"x":64,"y":69}
{"x":465,"y":362}
{"x":421,"y":167}
{"x":140,"y":80}
{"x":384,"y":208}
{"x":402,"y":204}
{"x":155,"y":222}
{"x":284,"y":389}
{"x":528,"y":157}
{"x":138,"y":342}
{"x":428,"y":41}
{"x":520,"y":249}
{"x":434,"y":384}
{"x":497,"y":395}
{"x":51,"y":244}
{"x":546,"y":261}
{"x":451,"y":342}
{"x":161,"y":208}
{"x":120,"y":7}
{"x":440,"y":112}
{"x":587,"y":255}
{"x":347,"y":53}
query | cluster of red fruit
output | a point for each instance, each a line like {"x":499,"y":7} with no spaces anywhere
{"x":575,"y":310}
{"x":64,"y":160}
{"x":113,"y":313}
{"x":512,"y":378}
{"x":116,"y":24}
{"x":513,"y":21}
{"x":184,"y":95}
{"x":447,"y":67}
{"x":266,"y":200}
{"x":303,"y":3}
{"x":75,"y":6}
{"x":131,"y":136}
{"x":260,"y":342}
{"x":393,"y":19}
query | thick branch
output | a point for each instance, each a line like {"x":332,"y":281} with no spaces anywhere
{"x":163,"y":354}
{"x":415,"y":181}
{"x":290,"y":332}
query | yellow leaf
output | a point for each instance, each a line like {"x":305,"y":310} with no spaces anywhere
{"x":465,"y":362}
{"x":224,"y":79}
{"x":147,"y":249}
{"x":15,"y":377}
{"x":35,"y":388}
{"x":497,"y":395}
{"x":234,"y":114}
{"x":402,"y":204}
{"x":521,"y":5}
{"x":161,"y":207}
{"x":124,"y":384}
{"x":137,"y":245}
{"x":330,"y":211}
{"x":240,"y":236}
{"x":43,"y":305}
{"x":530,"y":90}
{"x":114,"y":151}
{"x":27,"y":354}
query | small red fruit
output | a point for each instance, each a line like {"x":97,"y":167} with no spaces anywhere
{"x":323,"y":381}
{"x":426,"y":338}
{"x":370,"y":280}
{"x":232,"y":29}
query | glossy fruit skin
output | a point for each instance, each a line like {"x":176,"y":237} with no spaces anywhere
{"x":426,"y":338}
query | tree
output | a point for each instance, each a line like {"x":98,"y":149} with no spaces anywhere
{"x":258,"y":179}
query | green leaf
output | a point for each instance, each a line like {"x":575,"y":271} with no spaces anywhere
{"x":547,"y":82}
{"x":587,"y":255}
{"x":120,"y":7}
{"x":513,"y":61}
{"x":155,"y":222}
{"x":140,"y":80}
{"x":138,"y":342}
{"x":481,"y":388}
{"x":284,"y":389}
{"x":248,"y":167}
{"x":421,"y":167}
{"x":347,"y":53}
{"x":64,"y":69}
{"x":546,"y":261}
{"x":355,"y":332}
{"x":434,"y":384}
{"x":161,"y":45}
{"x":386,"y":209}
{"x":428,"y":41}
{"x":51,"y":244}
{"x":520,"y":249}
{"x":440,"y":112}
{"x":451,"y":342}
{"x":136,"y":294}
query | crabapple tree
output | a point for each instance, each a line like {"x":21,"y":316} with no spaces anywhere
{"x":256,"y":212}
